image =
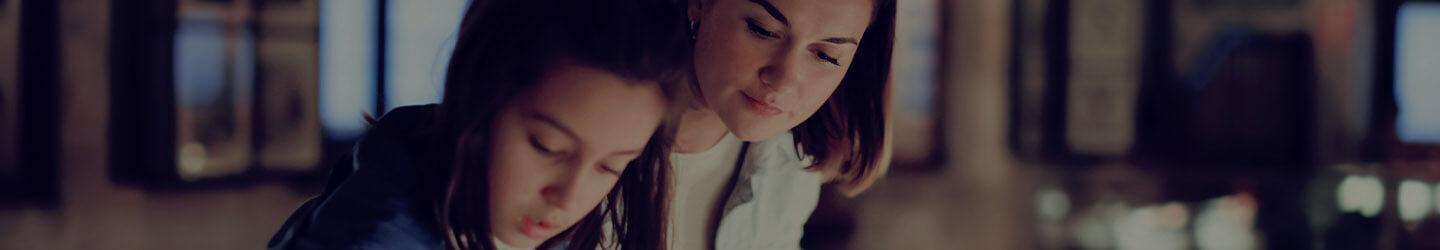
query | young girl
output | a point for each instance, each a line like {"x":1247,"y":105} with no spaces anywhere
{"x":553,"y":116}
{"x":789,"y":94}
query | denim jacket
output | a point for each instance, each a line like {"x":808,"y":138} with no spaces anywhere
{"x":369,"y":201}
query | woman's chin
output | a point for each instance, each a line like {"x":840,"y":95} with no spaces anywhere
{"x":750,"y":126}
{"x":754,"y":132}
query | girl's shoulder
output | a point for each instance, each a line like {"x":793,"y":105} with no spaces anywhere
{"x":361,"y":212}
{"x":371,"y":202}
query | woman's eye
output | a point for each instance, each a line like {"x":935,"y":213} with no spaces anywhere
{"x":827,"y":58}
{"x":759,"y":31}
{"x":607,"y":170}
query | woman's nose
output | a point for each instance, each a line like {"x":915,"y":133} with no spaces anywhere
{"x":781,"y":73}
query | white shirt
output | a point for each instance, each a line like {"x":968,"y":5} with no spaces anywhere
{"x":700,"y":181}
{"x":769,"y":204}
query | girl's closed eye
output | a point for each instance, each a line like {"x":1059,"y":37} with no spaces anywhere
{"x":542,"y":148}
{"x":762,"y":32}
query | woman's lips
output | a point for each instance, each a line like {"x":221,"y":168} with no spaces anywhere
{"x":535,"y":229}
{"x":762,"y":108}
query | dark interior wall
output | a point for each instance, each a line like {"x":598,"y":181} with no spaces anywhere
{"x":9,"y":24}
{"x":38,"y":72}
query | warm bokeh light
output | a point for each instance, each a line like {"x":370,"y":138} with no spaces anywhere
{"x":1362,"y":194}
{"x":1413,"y":200}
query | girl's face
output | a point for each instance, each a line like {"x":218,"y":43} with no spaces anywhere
{"x":558,"y":150}
{"x":764,"y":66}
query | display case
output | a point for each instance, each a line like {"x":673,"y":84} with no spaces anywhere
{"x":213,"y":90}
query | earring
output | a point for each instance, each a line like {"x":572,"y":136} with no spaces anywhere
{"x":694,"y":29}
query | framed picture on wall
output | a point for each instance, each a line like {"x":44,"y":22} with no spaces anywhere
{"x":1104,"y":76}
{"x":181,"y":97}
{"x":229,"y":92}
{"x":1416,"y":47}
{"x":1075,"y":78}
{"x":1406,"y":122}
{"x":288,"y":131}
{"x":214,"y":76}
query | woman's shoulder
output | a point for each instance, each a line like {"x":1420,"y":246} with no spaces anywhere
{"x":779,"y":153}
{"x":780,"y":161}
{"x":775,"y":197}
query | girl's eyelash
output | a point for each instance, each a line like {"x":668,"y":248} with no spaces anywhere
{"x":827,"y":58}
{"x":760,"y":31}
{"x":540,"y":147}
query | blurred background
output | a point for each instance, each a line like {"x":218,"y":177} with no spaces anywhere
{"x":1024,"y":124}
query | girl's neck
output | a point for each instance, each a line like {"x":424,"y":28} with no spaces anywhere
{"x":700,"y":129}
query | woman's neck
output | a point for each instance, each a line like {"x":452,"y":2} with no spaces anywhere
{"x":699,"y":130}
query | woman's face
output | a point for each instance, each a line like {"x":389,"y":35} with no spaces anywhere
{"x":558,"y":150}
{"x":764,"y":66}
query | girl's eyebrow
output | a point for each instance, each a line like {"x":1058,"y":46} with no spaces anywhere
{"x":551,"y":121}
{"x":770,"y":8}
{"x":546,"y":119}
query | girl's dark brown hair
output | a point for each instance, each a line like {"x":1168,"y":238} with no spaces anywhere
{"x":502,"y":50}
{"x":851,"y":126}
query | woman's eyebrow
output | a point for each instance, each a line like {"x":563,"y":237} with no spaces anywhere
{"x":627,"y":152}
{"x":775,"y":12}
{"x":770,"y":8}
{"x":842,"y":40}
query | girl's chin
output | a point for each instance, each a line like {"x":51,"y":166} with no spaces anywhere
{"x":515,"y":241}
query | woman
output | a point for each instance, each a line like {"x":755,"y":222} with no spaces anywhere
{"x":554,"y":115}
{"x":789,"y":94}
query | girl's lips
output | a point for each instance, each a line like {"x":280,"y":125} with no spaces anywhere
{"x":762,"y":108}
{"x":536,"y":230}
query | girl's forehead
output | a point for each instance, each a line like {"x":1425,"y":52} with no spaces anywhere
{"x":599,"y":106}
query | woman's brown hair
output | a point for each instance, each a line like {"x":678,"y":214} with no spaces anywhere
{"x":847,"y":136}
{"x":502,"y":50}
